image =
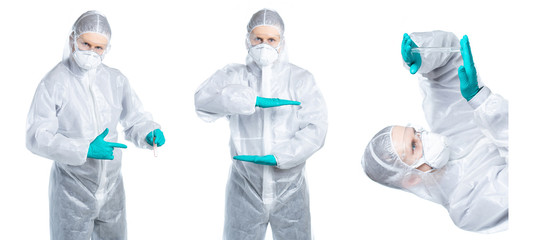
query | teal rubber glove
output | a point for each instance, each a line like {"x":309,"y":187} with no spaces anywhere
{"x":273,"y":102}
{"x":100,"y":149}
{"x":159,"y":138}
{"x":263,"y":160}
{"x":413,"y":60}
{"x":467,"y":73}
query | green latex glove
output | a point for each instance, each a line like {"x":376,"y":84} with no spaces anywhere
{"x":467,"y":73}
{"x":159,"y":138}
{"x":413,"y":60}
{"x":273,"y":102}
{"x":100,"y":149}
{"x":263,"y":160}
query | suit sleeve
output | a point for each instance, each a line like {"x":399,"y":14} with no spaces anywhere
{"x":136,"y":122}
{"x":312,"y":118}
{"x":491,"y":114}
{"x":222,"y":95}
{"x":42,"y":136}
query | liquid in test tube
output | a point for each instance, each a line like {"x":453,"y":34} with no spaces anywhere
{"x":154,"y":145}
{"x":436,"y":49}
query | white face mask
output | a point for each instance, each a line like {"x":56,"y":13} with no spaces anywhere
{"x":263,"y":54}
{"x":436,"y":150}
{"x":87,"y":59}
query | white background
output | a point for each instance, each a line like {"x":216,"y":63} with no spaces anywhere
{"x":167,"y":49}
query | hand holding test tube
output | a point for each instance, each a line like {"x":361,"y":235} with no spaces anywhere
{"x":155,"y":138}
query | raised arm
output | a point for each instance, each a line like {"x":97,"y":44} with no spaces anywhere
{"x":491,"y":111}
{"x":447,"y":111}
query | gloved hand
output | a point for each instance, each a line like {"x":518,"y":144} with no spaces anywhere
{"x":273,"y":102}
{"x":159,"y":138}
{"x":413,"y":60}
{"x":263,"y":160}
{"x":100,"y":149}
{"x":467,"y":73}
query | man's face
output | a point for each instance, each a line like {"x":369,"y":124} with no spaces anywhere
{"x":408,"y":145}
{"x":92,"y":41}
{"x":265,"y":34}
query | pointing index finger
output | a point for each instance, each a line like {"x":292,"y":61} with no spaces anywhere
{"x":118,"y":145}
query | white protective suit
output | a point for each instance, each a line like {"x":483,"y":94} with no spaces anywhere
{"x":259,"y":194}
{"x":473,"y":185}
{"x":70,"y":108}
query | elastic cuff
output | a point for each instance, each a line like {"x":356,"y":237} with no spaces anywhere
{"x":276,"y":160}
{"x":80,"y":156}
{"x":278,"y":163}
{"x":480,"y":97}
